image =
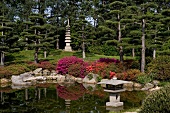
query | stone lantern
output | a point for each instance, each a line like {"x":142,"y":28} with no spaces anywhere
{"x":68,"y":38}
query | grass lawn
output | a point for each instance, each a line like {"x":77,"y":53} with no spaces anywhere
{"x":53,"y":56}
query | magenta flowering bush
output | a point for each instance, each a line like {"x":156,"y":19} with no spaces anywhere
{"x":108,"y":60}
{"x":65,"y":63}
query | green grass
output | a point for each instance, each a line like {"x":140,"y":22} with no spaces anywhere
{"x":53,"y":56}
{"x":129,"y":110}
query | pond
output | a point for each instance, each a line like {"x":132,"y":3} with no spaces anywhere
{"x":63,"y":98}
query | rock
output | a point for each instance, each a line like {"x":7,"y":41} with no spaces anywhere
{"x":91,"y":87}
{"x":46,"y":72}
{"x":70,"y":78}
{"x":155,"y":82}
{"x":27,"y":74}
{"x":155,"y":89}
{"x":147,"y":86}
{"x":137,"y":85}
{"x":4,"y":81}
{"x":128,"y":85}
{"x":18,"y":81}
{"x":91,"y":78}
{"x":60,"y":78}
{"x":51,"y":77}
{"x":53,"y":73}
{"x":79,"y":80}
{"x":38,"y":71}
{"x":37,"y":78}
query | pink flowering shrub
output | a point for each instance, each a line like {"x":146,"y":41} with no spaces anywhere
{"x":64,"y":64}
{"x":108,"y":60}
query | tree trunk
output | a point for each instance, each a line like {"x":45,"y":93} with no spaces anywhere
{"x":143,"y":46}
{"x":57,"y":43}
{"x":36,"y":56}
{"x":45,"y":54}
{"x":133,"y":52}
{"x":83,"y":45}
{"x":2,"y":58}
{"x":154,"y":53}
{"x":119,"y":39}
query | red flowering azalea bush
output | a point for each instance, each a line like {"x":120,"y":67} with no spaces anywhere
{"x":64,"y":64}
{"x":98,"y":68}
{"x":129,"y":75}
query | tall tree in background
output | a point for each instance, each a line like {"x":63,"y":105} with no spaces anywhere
{"x":34,"y":34}
{"x":147,"y":12}
{"x":4,"y":38}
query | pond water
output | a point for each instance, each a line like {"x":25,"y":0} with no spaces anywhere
{"x":63,"y":98}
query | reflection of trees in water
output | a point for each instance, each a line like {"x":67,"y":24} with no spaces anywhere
{"x":36,"y":99}
{"x":132,"y":98}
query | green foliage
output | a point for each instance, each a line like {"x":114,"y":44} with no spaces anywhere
{"x":157,"y":102}
{"x":15,"y":69}
{"x":143,"y":78}
{"x":109,"y":50}
{"x":161,"y":67}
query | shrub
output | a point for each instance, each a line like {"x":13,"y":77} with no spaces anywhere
{"x":14,"y":69}
{"x":143,"y":78}
{"x":108,"y":60}
{"x":66,"y":62}
{"x":109,"y":50}
{"x":161,"y":67}
{"x":46,"y":65}
{"x":77,"y":70}
{"x":157,"y":102}
{"x":129,"y":75}
{"x":98,"y":68}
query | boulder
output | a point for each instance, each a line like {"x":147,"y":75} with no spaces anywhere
{"x":128,"y":85}
{"x":46,"y":72}
{"x":137,"y":85}
{"x":79,"y":80}
{"x":91,"y":78}
{"x":155,"y":82}
{"x":60,"y":78}
{"x":4,"y":81}
{"x":147,"y":86}
{"x":38,"y":71}
{"x":18,"y":81}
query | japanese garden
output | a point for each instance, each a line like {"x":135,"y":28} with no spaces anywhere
{"x":84,"y":56}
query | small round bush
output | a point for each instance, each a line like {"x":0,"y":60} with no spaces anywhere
{"x":66,"y":62}
{"x":157,"y":102}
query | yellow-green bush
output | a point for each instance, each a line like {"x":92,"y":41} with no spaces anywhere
{"x":157,"y":102}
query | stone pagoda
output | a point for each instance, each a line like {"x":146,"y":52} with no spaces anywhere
{"x":68,"y":38}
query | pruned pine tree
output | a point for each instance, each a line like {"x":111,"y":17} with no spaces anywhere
{"x":47,"y":41}
{"x":4,"y":38}
{"x":116,"y":15}
{"x":147,"y":11}
{"x":34,"y":36}
{"x":154,"y":41}
{"x":131,"y":38}
{"x":81,"y":26}
{"x":165,"y":32}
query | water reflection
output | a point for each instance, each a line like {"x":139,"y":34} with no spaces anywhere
{"x":55,"y":98}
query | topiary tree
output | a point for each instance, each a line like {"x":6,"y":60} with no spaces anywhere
{"x":157,"y":102}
